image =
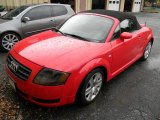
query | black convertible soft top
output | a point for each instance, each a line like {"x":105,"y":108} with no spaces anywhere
{"x":116,"y":14}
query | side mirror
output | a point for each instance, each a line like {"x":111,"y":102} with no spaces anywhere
{"x":25,"y":19}
{"x":125,"y":35}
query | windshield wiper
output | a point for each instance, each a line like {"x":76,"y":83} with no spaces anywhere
{"x":6,"y":18}
{"x":65,"y":34}
{"x":77,"y":36}
{"x":57,"y":30}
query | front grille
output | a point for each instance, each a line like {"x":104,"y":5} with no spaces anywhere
{"x":19,"y":70}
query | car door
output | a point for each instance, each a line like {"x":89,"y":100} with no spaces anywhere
{"x":39,"y":19}
{"x":124,"y":51}
{"x":59,"y":12}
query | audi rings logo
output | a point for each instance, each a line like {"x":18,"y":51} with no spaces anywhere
{"x":13,"y":66}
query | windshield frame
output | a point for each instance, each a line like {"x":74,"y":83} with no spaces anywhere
{"x":9,"y":15}
{"x":94,"y":14}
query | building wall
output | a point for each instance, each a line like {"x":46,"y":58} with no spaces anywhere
{"x":88,"y":4}
{"x":122,"y":2}
{"x":80,"y":5}
{"x":142,"y":5}
{"x":10,"y":4}
{"x":77,"y":5}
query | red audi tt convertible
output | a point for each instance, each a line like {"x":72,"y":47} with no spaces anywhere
{"x":59,"y":66}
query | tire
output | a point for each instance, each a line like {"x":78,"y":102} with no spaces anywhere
{"x":90,"y":87}
{"x":147,"y":51}
{"x":8,"y":40}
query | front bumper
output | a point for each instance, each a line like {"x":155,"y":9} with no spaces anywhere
{"x":48,"y":96}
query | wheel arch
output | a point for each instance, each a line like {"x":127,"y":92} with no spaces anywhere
{"x":10,"y":31}
{"x":94,"y":64}
{"x":87,"y":68}
{"x":152,"y":40}
{"x":103,"y":68}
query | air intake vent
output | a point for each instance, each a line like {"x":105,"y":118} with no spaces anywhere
{"x":19,"y":70}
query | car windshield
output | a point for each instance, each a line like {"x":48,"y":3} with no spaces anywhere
{"x":90,"y":27}
{"x":14,"y":12}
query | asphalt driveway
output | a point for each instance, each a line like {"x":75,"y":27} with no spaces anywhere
{"x":132,"y":95}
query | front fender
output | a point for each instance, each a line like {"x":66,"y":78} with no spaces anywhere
{"x":11,"y":26}
{"x":99,"y":62}
{"x":80,"y":75}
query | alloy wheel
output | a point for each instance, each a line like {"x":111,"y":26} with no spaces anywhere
{"x":147,"y":50}
{"x":93,"y":86}
{"x":9,"y":40}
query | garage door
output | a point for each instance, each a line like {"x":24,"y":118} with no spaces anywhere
{"x":114,"y":5}
{"x":137,"y":6}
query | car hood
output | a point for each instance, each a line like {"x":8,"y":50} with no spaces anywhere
{"x":3,"y":20}
{"x":58,"y":52}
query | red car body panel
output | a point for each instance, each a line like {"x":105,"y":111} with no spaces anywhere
{"x":52,"y":50}
{"x":67,"y":56}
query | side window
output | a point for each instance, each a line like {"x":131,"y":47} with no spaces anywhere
{"x":58,"y":10}
{"x":39,"y":13}
{"x":116,"y":33}
{"x":127,"y":25}
{"x":132,"y":26}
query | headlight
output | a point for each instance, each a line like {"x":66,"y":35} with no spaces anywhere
{"x":50,"y":77}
